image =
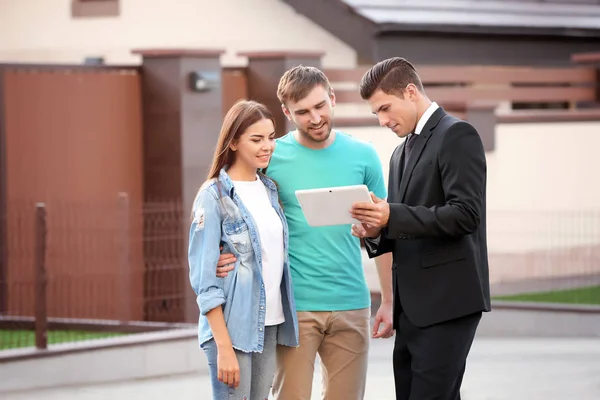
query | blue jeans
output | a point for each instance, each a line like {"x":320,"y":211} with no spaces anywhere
{"x":256,"y":370}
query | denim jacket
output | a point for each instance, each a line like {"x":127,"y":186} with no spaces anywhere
{"x":220,"y":218}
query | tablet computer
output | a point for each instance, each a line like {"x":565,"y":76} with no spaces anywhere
{"x":331,"y":206}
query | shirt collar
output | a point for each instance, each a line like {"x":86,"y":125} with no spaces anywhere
{"x":425,"y":117}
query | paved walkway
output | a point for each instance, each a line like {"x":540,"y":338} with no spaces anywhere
{"x":498,"y":369}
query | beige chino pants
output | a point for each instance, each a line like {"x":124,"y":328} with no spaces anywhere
{"x":341,"y":338}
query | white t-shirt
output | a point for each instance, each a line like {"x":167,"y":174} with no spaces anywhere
{"x":255,"y":197}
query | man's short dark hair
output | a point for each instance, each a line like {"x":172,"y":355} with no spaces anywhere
{"x":391,"y":76}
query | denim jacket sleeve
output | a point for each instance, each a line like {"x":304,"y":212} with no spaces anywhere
{"x":203,"y":251}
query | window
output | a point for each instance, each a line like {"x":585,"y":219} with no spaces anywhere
{"x":94,"y":8}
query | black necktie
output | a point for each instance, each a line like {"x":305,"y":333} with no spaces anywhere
{"x":410,"y":142}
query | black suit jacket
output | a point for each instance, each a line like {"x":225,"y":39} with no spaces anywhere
{"x":437,"y":224}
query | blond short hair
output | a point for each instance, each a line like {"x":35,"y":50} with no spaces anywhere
{"x":297,"y":82}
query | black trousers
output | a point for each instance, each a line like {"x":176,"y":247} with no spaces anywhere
{"x":429,"y":363}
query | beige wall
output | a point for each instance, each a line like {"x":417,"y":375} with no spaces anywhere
{"x":546,"y":175}
{"x":43,"y":30}
{"x":550,"y":166}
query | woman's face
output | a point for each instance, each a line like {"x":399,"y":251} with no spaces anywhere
{"x":255,"y":145}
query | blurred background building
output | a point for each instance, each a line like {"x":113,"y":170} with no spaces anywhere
{"x":110,"y":110}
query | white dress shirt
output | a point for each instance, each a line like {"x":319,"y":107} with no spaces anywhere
{"x":425,"y":117}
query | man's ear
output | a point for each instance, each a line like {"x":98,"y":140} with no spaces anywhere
{"x":411,"y":90}
{"x":286,"y":112}
{"x":332,"y":97}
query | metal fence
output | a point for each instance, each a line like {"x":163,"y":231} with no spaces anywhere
{"x":551,"y":256}
{"x":77,"y":271}
{"x":82,"y":271}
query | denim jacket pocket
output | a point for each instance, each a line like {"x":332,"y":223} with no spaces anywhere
{"x":238,"y":234}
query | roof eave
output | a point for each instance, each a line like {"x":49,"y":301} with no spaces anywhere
{"x":342,"y":21}
{"x":470,"y":30}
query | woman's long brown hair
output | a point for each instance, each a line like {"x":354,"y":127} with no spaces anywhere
{"x":240,"y":117}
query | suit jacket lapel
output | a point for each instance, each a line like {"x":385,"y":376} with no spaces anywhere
{"x":420,"y":142}
{"x":400,"y":165}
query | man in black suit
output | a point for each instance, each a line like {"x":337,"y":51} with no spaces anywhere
{"x":434,"y":223}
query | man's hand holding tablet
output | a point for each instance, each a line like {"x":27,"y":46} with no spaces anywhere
{"x":373,"y":215}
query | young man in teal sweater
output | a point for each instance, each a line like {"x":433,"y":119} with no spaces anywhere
{"x":331,"y":293}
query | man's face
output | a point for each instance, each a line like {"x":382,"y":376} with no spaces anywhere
{"x":398,"y":114}
{"x":313,"y":114}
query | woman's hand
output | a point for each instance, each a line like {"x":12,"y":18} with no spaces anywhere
{"x":229,"y":369}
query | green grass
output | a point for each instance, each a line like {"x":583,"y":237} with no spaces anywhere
{"x":584,"y":295}
{"x":11,"y":339}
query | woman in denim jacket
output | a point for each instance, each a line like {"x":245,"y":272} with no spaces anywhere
{"x":246,"y":314}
